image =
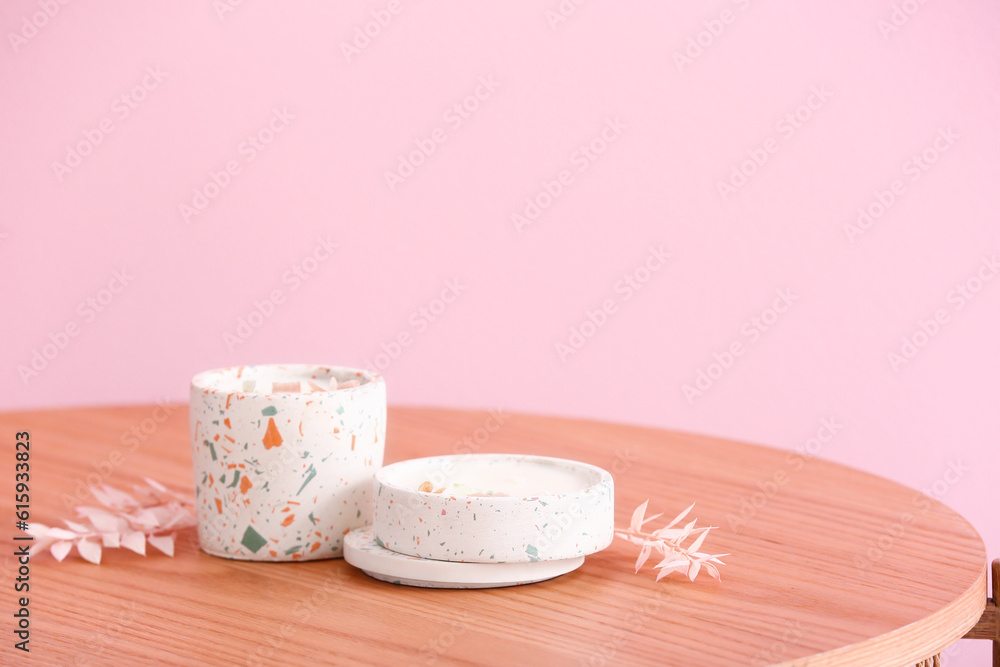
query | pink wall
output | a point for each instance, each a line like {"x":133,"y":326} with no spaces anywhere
{"x":808,"y":112}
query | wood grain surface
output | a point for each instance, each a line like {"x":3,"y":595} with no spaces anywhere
{"x":829,"y":565}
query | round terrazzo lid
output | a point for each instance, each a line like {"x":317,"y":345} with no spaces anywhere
{"x":363,"y":550}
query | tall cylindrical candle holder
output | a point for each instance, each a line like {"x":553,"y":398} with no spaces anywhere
{"x":284,"y":457}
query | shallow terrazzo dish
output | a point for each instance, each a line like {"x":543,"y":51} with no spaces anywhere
{"x":363,"y":551}
{"x":282,"y":475}
{"x":554,"y":508}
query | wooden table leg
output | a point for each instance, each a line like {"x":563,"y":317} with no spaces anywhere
{"x":988,"y":626}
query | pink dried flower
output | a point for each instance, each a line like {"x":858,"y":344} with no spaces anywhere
{"x":668,"y":542}
{"x":128,"y":522}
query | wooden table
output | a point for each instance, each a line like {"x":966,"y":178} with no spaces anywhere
{"x":829,"y":565}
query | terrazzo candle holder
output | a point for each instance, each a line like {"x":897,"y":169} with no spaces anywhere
{"x":283,"y":465}
{"x":493,"y":508}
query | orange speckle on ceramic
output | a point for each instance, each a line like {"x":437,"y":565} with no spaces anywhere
{"x":272,"y":438}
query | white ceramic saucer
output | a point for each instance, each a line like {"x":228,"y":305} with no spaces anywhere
{"x":362,"y":550}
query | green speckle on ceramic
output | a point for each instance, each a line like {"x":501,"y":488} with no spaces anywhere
{"x":252,"y":540}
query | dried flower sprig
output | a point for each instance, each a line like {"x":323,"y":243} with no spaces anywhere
{"x":668,"y":542}
{"x":153,"y":514}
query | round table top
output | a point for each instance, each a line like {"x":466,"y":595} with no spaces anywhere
{"x":827,"y":563}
